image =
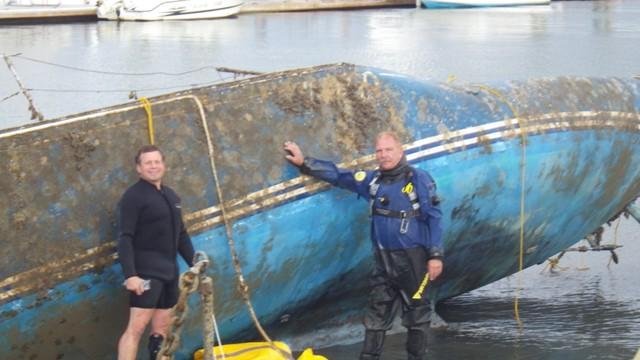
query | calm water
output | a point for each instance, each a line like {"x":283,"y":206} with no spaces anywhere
{"x":588,"y":311}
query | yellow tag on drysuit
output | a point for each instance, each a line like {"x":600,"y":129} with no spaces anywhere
{"x":360,"y":175}
{"x":408,"y":188}
{"x":418,"y":294}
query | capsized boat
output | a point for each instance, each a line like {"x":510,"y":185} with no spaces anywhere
{"x":553,"y":157}
{"x":147,"y":10}
{"x":447,"y":4}
{"x":634,"y":210}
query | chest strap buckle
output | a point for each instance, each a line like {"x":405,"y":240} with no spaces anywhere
{"x":404,"y":222}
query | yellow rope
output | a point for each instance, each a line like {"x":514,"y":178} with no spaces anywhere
{"x":147,"y":107}
{"x":523,"y":168}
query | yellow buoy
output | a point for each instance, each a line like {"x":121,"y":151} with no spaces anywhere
{"x":309,"y":355}
{"x":257,"y":351}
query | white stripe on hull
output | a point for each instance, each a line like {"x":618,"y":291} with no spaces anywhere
{"x":483,"y":3}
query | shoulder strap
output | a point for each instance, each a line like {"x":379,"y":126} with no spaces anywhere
{"x":374,"y":185}
{"x":410,"y":188}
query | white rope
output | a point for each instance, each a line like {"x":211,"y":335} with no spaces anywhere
{"x":217,"y":334}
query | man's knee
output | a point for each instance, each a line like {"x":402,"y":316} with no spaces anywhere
{"x":416,"y":343}
{"x":417,"y":323}
{"x":161,"y":321}
{"x":381,"y":310}
{"x":138,"y":321}
{"x":416,"y":316}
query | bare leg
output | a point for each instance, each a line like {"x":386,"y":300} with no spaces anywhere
{"x":160,"y":322}
{"x":138,"y":320}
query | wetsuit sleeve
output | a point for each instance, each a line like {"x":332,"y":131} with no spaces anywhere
{"x":128,"y":212}
{"x":343,"y":178}
{"x":430,"y":214}
{"x":185,"y":246}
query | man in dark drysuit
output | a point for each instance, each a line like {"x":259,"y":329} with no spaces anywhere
{"x":406,"y":234}
{"x":150,"y":235}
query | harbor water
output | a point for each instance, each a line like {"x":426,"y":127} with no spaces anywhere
{"x":589,"y":308}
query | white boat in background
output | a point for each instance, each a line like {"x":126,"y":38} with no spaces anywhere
{"x":147,"y":10}
{"x":46,"y":10}
{"x":444,"y":4}
{"x":50,"y":3}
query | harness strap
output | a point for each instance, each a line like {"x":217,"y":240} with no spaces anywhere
{"x":408,"y":190}
{"x":395,"y":214}
{"x":373,"y":190}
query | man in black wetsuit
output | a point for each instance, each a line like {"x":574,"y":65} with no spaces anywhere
{"x":150,"y":235}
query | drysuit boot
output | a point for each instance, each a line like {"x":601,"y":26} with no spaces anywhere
{"x":416,"y":344}
{"x":373,"y":342}
{"x":155,"y":342}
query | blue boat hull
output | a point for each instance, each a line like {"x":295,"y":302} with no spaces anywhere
{"x":572,"y":142}
{"x":461,"y":4}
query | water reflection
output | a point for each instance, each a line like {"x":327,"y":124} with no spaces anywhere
{"x":602,"y":21}
{"x":572,"y":314}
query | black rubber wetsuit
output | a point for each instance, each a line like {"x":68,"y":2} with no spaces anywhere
{"x":151,"y":233}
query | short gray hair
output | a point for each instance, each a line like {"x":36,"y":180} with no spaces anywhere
{"x":391,"y":134}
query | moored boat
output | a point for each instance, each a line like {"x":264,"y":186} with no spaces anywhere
{"x":145,"y":10}
{"x":553,"y":157}
{"x":41,"y":10}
